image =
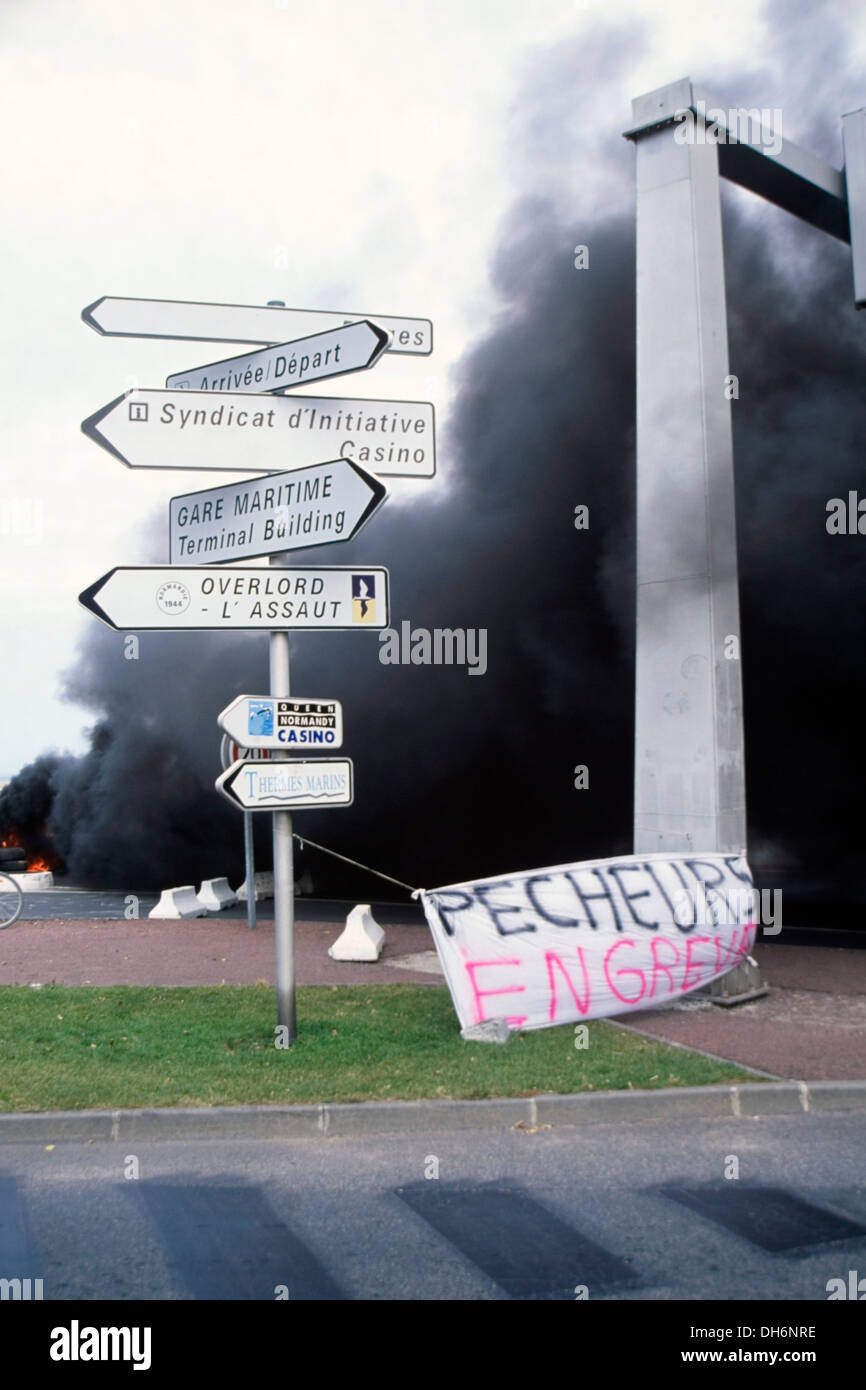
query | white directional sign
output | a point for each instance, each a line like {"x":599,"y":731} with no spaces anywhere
{"x":335,"y":353}
{"x":239,"y":323}
{"x":226,"y":431}
{"x":165,"y":598}
{"x":265,"y":516}
{"x":284,"y":786}
{"x":287,"y":722}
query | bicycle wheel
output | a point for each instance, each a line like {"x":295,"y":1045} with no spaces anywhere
{"x":11,"y":901}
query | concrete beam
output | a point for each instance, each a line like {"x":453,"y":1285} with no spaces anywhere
{"x":854,"y":141}
{"x":753,"y":155}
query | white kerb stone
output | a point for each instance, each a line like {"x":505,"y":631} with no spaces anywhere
{"x":494,"y":1030}
{"x":362,"y":939}
{"x":178,"y":902}
{"x":215,"y":894}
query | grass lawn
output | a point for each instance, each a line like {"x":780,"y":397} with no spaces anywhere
{"x":129,"y":1047}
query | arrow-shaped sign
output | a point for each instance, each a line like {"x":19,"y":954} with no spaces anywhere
{"x":287,"y":722}
{"x":335,"y":353}
{"x":164,"y":597}
{"x":266,"y":516}
{"x":273,"y":786}
{"x":226,"y":431}
{"x":239,"y":323}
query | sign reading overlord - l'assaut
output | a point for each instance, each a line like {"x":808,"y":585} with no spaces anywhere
{"x":283,"y":511}
{"x":165,"y":597}
{"x":342,"y":350}
{"x":117,"y":317}
{"x":587,"y":940}
{"x":266,"y":721}
{"x":270,"y":786}
{"x":226,"y":431}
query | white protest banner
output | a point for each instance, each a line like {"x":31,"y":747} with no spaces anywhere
{"x":587,"y":940}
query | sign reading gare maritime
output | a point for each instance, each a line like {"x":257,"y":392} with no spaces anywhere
{"x":283,"y":511}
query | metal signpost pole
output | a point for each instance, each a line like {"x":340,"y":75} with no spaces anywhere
{"x":284,"y":867}
{"x":249,"y":869}
{"x":284,"y":879}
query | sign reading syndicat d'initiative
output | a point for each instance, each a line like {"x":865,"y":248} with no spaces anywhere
{"x":224,"y":431}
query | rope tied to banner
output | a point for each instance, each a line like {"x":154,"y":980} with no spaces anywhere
{"x":413,"y":892}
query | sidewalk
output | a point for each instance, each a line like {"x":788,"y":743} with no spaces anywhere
{"x":196,"y":951}
{"x":811,"y":1027}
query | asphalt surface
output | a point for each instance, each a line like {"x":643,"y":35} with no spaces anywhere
{"x":65,"y":904}
{"x":624,"y":1212}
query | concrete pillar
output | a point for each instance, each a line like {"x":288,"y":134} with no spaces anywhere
{"x":689,"y":769}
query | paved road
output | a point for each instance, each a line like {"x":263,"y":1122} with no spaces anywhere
{"x":77,"y":904}
{"x":637,"y":1211}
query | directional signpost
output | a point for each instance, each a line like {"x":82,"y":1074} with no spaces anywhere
{"x":239,"y":323}
{"x":227,"y":431}
{"x":335,"y":353}
{"x":315,"y":491}
{"x":260,"y":721}
{"x":265,"y":786}
{"x":157,"y":598}
{"x":283,"y":511}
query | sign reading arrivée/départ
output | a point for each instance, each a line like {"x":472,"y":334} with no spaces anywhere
{"x":283,"y":786}
{"x":321,"y":505}
{"x":227,"y":431}
{"x":187,"y":598}
{"x":269,"y":721}
{"x":335,"y":353}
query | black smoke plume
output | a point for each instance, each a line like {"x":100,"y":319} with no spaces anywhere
{"x":458,"y":775}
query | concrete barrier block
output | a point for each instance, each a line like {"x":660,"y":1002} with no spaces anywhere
{"x":36,"y":881}
{"x":178,"y":902}
{"x":362,"y":939}
{"x":494,"y":1030}
{"x":263,"y":887}
{"x":215,"y":894}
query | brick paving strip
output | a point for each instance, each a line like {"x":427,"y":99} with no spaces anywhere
{"x":812,"y":1024}
{"x":198,"y":951}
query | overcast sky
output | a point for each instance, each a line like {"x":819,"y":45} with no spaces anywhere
{"x":334,"y":155}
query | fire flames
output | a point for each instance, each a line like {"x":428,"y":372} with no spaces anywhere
{"x":36,"y":863}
